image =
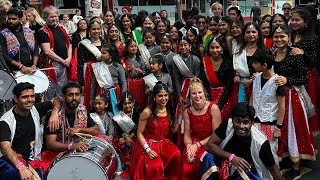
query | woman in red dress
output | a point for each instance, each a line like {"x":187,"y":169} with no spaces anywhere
{"x":200,"y":121}
{"x":114,"y":38}
{"x":154,"y":156}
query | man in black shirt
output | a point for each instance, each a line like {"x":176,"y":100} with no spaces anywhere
{"x":56,"y":51}
{"x":21,"y":134}
{"x":19,"y":48}
{"x":243,"y":145}
{"x":74,"y":119}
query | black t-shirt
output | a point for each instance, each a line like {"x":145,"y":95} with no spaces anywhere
{"x":59,"y":39}
{"x":25,"y":130}
{"x":71,"y":119}
{"x":241,"y":147}
{"x":281,"y":90}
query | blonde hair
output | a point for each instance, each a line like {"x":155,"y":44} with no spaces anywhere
{"x":216,"y":5}
{"x":196,"y":82}
{"x":47,"y":11}
{"x":7,"y":3}
{"x":36,"y":16}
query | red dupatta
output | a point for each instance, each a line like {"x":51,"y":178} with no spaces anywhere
{"x":210,"y":73}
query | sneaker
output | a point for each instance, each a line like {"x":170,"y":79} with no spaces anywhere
{"x":292,"y":174}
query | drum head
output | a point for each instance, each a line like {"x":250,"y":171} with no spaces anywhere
{"x":76,"y":168}
{"x":7,"y":83}
{"x":39,"y":79}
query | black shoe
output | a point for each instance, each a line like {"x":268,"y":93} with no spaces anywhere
{"x":292,"y":174}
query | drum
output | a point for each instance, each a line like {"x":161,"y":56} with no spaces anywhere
{"x":38,"y":78}
{"x":7,"y":83}
{"x":98,"y":163}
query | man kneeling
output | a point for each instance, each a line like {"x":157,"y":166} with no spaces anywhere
{"x":238,"y":145}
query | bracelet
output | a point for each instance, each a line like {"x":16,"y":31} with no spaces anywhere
{"x":124,"y":135}
{"x":198,"y":145}
{"x":145,"y":146}
{"x":20,"y":67}
{"x":231,"y":157}
{"x":148,"y":149}
{"x":19,"y":164}
{"x":143,"y":143}
{"x":69,"y":146}
{"x":279,"y":126}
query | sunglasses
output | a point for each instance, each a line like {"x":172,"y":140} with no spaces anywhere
{"x":201,"y":22}
{"x":286,"y":8}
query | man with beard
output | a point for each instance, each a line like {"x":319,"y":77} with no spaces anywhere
{"x":20,"y":50}
{"x":21,"y":133}
{"x":56,"y":51}
{"x":242,"y":146}
{"x":74,"y":119}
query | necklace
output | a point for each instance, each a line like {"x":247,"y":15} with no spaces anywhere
{"x":95,"y":40}
{"x":283,"y":51}
{"x":216,"y":63}
{"x":186,"y":57}
{"x":162,"y":111}
{"x":166,"y":55}
{"x":199,"y":109}
{"x":252,"y":47}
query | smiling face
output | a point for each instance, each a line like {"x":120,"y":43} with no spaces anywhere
{"x":197,"y":95}
{"x":202,"y":24}
{"x":126,"y":23}
{"x":174,"y":33}
{"x":280,"y":39}
{"x":277,"y":20}
{"x":214,"y":26}
{"x":95,"y":30}
{"x":217,"y":11}
{"x":286,"y":9}
{"x":147,"y":23}
{"x":215,"y":49}
{"x":242,"y":126}
{"x":99,"y":105}
{"x":108,"y":18}
{"x":133,"y":48}
{"x":149,"y":39}
{"x":83,"y":24}
{"x":162,"y":28}
{"x":114,"y":33}
{"x":223,"y":27}
{"x":191,"y":36}
{"x":297,"y":23}
{"x":184,"y":48}
{"x":165,"y":45}
{"x":236,"y":30}
{"x":161,"y":99}
{"x":26,"y":99}
{"x":29,"y":17}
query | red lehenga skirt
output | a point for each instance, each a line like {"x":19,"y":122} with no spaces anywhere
{"x":88,"y":75}
{"x":313,"y":90}
{"x":191,"y":170}
{"x":296,"y":139}
{"x":124,"y":151}
{"x":226,"y":110}
{"x":137,"y":87}
{"x":165,"y":166}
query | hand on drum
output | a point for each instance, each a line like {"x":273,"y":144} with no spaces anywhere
{"x":26,"y":70}
{"x":71,"y":131}
{"x":152,"y":154}
{"x":25,"y":173}
{"x":80,"y":146}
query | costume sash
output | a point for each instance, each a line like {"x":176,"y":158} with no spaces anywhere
{"x":240,"y":64}
{"x":305,"y":100}
{"x":145,"y":55}
{"x":181,"y":65}
{"x":92,"y":48}
{"x":96,"y":118}
{"x":209,"y":70}
{"x":81,"y":118}
{"x":13,"y":45}
{"x":137,"y":36}
{"x":124,"y":121}
{"x":102,"y":74}
{"x":150,"y":80}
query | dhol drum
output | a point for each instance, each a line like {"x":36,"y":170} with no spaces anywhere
{"x":98,"y":163}
{"x":7,"y":83}
{"x":38,"y":78}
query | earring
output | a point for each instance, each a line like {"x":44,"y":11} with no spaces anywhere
{"x":289,"y":43}
{"x":221,"y":52}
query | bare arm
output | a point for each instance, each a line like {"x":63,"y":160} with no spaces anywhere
{"x":216,"y":121}
{"x":54,"y":145}
{"x":282,"y":108}
{"x":11,"y":155}
{"x":49,"y":52}
{"x":229,"y":44}
{"x":146,"y":113}
{"x":54,"y":118}
{"x":251,"y":100}
{"x":275,"y":172}
{"x":187,"y":131}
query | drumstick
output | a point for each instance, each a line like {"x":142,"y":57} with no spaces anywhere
{"x":82,"y":134}
{"x":44,"y":69}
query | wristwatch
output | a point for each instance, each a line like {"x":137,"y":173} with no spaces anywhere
{"x":279,"y":126}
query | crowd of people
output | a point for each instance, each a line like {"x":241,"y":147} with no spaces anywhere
{"x":199,"y":98}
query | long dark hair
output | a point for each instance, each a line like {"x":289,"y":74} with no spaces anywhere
{"x":124,"y":96}
{"x":120,"y":23}
{"x":113,"y":52}
{"x":260,"y":42}
{"x":156,"y":90}
{"x":306,"y":16}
